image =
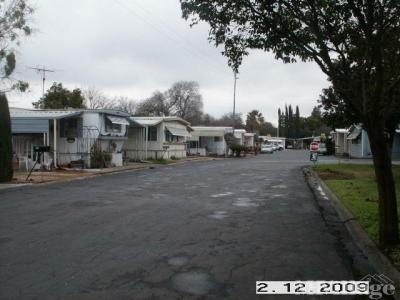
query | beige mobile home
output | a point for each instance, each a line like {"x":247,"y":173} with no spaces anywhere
{"x":157,"y":138}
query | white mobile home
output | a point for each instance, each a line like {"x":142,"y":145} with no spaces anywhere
{"x":359,"y":146}
{"x":70,"y":133}
{"x":157,"y":138}
{"x":207,"y":140}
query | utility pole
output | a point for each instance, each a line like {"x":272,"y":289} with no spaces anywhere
{"x":234,"y":99}
{"x":42,"y":70}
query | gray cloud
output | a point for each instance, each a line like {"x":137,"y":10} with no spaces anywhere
{"x":134,"y":47}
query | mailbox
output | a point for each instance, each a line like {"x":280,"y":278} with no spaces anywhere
{"x":41,"y":148}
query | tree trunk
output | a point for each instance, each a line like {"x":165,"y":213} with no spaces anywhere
{"x":388,"y":216}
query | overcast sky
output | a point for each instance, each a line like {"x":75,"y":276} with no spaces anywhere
{"x":134,"y":47}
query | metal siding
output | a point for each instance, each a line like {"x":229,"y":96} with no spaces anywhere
{"x":29,"y":125}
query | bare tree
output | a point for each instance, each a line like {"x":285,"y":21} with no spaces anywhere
{"x":156,"y":105}
{"x":95,"y":99}
{"x":186,"y":100}
{"x":124,"y":104}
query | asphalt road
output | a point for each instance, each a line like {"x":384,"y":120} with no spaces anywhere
{"x":201,"y":230}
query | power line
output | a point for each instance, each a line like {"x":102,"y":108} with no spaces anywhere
{"x":173,"y":31}
{"x":163,"y":33}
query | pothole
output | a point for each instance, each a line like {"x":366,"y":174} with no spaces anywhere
{"x":221,"y":195}
{"x":219,"y":215}
{"x":244,"y":202}
{"x":193,"y":282}
{"x":178,"y":261}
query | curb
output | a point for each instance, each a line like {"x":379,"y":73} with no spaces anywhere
{"x":362,"y":241}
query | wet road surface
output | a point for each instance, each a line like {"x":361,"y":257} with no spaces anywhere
{"x":202,"y":230}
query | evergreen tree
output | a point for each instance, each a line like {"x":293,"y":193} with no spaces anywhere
{"x":290,"y":122}
{"x":297,"y":123}
{"x":279,"y":122}
{"x":6,"y":170}
{"x":58,"y":97}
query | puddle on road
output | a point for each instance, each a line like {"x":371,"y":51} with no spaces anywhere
{"x":157,"y":196}
{"x":279,"y":186}
{"x":249,"y":191}
{"x":178,"y":261}
{"x":219,"y":215}
{"x":221,"y":195}
{"x":244,"y":202}
{"x":278,"y":195}
{"x":193,"y":282}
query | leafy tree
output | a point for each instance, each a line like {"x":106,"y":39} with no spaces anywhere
{"x":268,"y":129}
{"x":14,"y":24}
{"x":6,"y":170}
{"x":58,"y":97}
{"x":355,"y":43}
{"x":336,"y":113}
{"x":254,"y":121}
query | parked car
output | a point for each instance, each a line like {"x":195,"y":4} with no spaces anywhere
{"x":280,"y":147}
{"x":267,"y":148}
{"x":322,"y":149}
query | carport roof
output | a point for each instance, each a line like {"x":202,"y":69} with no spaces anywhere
{"x":153,"y":121}
{"x":41,"y":114}
{"x":60,"y":113}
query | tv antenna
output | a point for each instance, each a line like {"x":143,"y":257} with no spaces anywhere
{"x":43,"y":71}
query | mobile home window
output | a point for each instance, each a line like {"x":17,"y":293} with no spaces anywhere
{"x":152,"y":133}
{"x":217,"y":139}
{"x":111,"y":127}
{"x":71,"y":127}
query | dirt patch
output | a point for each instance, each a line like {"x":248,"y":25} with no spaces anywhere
{"x":41,"y":177}
{"x":335,"y":175}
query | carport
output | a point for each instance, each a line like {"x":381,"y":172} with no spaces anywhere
{"x":32,"y":127}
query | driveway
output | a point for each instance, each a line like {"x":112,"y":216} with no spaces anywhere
{"x":201,"y":230}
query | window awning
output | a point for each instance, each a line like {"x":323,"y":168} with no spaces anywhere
{"x":178,"y":131}
{"x":354,"y":133}
{"x":118,"y":120}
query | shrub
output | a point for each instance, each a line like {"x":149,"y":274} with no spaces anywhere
{"x":99,"y":158}
{"x":238,"y":149}
{"x":6,"y":169}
